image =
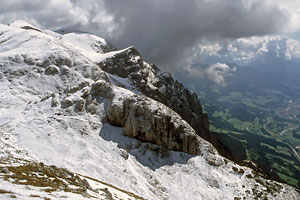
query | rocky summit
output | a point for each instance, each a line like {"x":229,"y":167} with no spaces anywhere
{"x":82,"y":120}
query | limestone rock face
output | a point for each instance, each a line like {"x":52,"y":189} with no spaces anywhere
{"x":55,"y":98}
{"x":162,"y":87}
{"x":148,"y":120}
{"x":161,"y":126}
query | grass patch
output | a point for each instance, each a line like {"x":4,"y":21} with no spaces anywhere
{"x":35,"y":196}
{"x":40,"y":175}
{"x":288,"y":179}
{"x":54,"y":179}
{"x":268,"y":146}
{"x":31,"y":28}
{"x":5,"y":192}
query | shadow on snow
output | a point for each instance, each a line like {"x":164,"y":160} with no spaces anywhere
{"x":147,"y":154}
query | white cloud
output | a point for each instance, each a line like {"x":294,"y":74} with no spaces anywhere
{"x":218,"y":72}
{"x":270,"y":50}
{"x":292,"y":9}
{"x":164,"y":31}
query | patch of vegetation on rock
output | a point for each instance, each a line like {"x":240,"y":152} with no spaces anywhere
{"x":31,"y":28}
{"x":51,"y":178}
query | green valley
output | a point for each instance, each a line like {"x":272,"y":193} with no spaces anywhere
{"x":257,"y":118}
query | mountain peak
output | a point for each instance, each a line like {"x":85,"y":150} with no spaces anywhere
{"x":70,"y":103}
{"x":22,"y":24}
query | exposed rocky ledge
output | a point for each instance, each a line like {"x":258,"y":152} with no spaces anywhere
{"x":162,"y":87}
{"x":148,"y":120}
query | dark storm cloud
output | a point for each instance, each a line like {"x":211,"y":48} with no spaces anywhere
{"x":166,"y":30}
{"x":163,"y":30}
{"x":14,"y":6}
{"x":48,"y":14}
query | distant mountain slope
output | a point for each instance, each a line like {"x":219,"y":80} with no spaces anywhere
{"x":242,"y":104}
{"x":58,"y":106}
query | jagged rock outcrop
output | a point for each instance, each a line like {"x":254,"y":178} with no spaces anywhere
{"x":162,"y":87}
{"x":58,"y":107}
{"x":148,"y":120}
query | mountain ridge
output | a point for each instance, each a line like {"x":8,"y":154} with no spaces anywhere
{"x":56,"y":102}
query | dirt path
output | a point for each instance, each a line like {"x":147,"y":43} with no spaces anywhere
{"x":288,"y":129}
{"x":281,"y":133}
{"x":266,"y":124}
{"x":295,"y":152}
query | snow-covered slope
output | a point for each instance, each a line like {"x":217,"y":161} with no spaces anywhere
{"x":57,"y":106}
{"x":28,"y":180}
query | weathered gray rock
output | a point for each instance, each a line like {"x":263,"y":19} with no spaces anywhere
{"x":148,"y":120}
{"x":51,"y":70}
{"x":5,"y":170}
{"x":162,"y":87}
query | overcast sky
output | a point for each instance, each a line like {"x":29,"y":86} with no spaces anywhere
{"x":165,"y":31}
